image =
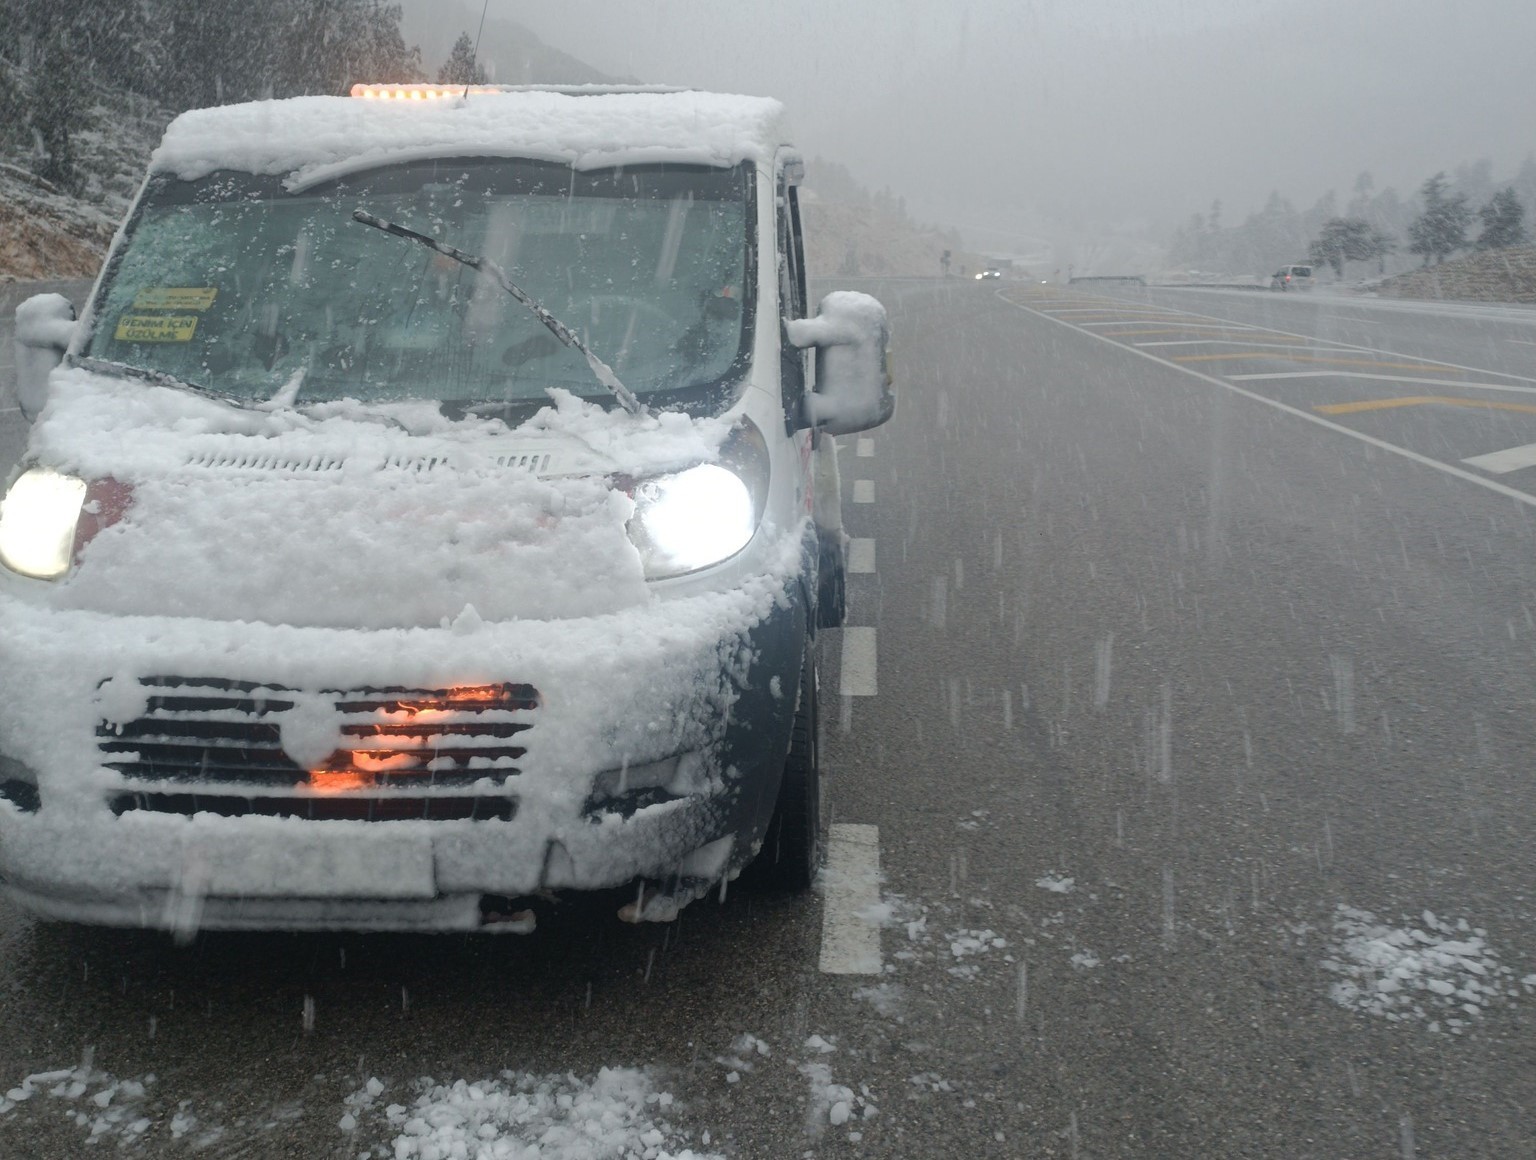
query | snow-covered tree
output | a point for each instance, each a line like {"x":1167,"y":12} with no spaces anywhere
{"x":1502,"y":222}
{"x":13,"y":105}
{"x":214,"y":52}
{"x":328,"y":45}
{"x":1365,"y":192}
{"x":1348,"y":239}
{"x":56,"y":112}
{"x":1524,"y":183}
{"x":461,"y":68}
{"x":1441,"y":229}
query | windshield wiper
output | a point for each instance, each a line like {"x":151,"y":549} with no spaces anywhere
{"x":159,"y":378}
{"x":601,"y":370}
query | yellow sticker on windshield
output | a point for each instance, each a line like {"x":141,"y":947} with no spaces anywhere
{"x":156,"y":328}
{"x":175,"y":298}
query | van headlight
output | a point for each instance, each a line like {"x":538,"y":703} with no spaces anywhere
{"x":693,"y":518}
{"x":38,"y":517}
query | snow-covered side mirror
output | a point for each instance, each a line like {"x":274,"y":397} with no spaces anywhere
{"x":853,"y":372}
{"x":45,"y":323}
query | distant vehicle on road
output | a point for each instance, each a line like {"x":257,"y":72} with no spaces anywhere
{"x":989,"y":272}
{"x":1291,"y":278}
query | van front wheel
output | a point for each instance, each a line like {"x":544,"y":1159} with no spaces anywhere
{"x":793,"y":847}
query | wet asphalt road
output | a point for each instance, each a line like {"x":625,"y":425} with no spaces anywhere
{"x":1225,"y":667}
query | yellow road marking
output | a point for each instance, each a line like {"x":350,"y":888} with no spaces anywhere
{"x":1174,"y":330}
{"x":1120,"y":320}
{"x":1312,"y":358}
{"x":1420,"y":401}
{"x":1128,"y":315}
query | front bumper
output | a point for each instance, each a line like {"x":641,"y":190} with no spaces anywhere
{"x":711,"y":677}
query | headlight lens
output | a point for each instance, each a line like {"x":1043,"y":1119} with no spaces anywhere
{"x":37,"y":523}
{"x":698,"y":517}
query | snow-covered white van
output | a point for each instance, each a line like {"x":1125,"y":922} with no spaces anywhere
{"x":432,"y":509}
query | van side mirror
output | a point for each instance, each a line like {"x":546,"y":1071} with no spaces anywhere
{"x":45,"y":323}
{"x":853,"y":374}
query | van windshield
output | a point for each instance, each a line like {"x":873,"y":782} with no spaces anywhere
{"x":233,"y":284}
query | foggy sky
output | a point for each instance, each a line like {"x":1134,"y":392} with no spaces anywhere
{"x":1011,"y":114}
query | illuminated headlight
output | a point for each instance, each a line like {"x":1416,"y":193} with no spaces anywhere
{"x":37,"y":523}
{"x":705,"y":514}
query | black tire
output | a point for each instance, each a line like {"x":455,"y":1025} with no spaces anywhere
{"x":831,"y":588}
{"x":793,"y":847}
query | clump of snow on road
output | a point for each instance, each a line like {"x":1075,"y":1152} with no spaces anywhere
{"x":616,"y":1115}
{"x":98,"y":1103}
{"x":1056,"y":885}
{"x":965,"y":944}
{"x":360,"y":1101}
{"x":103,"y":1106}
{"x":930,"y":1081}
{"x":1415,"y":972}
{"x":833,"y":1103}
{"x":746,"y":1050}
{"x":888,"y":999}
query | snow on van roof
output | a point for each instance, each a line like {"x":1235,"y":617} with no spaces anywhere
{"x":314,"y":138}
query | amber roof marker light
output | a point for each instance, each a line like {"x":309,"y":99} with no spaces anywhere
{"x":418,"y":92}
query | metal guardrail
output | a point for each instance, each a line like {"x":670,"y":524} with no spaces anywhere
{"x":1211,"y":286}
{"x":1137,"y":279}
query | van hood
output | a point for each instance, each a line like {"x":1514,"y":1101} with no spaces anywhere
{"x":352,"y":517}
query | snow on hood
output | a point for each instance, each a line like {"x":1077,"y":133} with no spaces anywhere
{"x":314,"y":137}
{"x":342,"y":517}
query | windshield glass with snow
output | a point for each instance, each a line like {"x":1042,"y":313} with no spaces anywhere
{"x":234,"y":284}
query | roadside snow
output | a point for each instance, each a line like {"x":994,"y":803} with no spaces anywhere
{"x":1404,"y":973}
{"x":614,"y":1115}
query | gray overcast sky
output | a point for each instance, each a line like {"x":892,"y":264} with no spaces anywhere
{"x":1010,"y":113}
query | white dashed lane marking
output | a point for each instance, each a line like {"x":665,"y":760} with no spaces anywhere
{"x":861,"y":556}
{"x":1510,"y":459}
{"x":857,"y":675}
{"x":850,"y":931}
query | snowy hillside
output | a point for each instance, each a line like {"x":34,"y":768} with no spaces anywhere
{"x":49,"y":231}
{"x":1503,"y":275}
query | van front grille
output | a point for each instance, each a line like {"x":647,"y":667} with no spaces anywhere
{"x":359,"y":807}
{"x":210,"y":731}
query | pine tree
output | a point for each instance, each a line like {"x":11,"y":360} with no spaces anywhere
{"x":1442,"y":228}
{"x":1502,"y":224}
{"x":13,"y":105}
{"x":1348,"y":239}
{"x":214,"y":52}
{"x":326,"y":46}
{"x":56,"y":111}
{"x":461,"y":68}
